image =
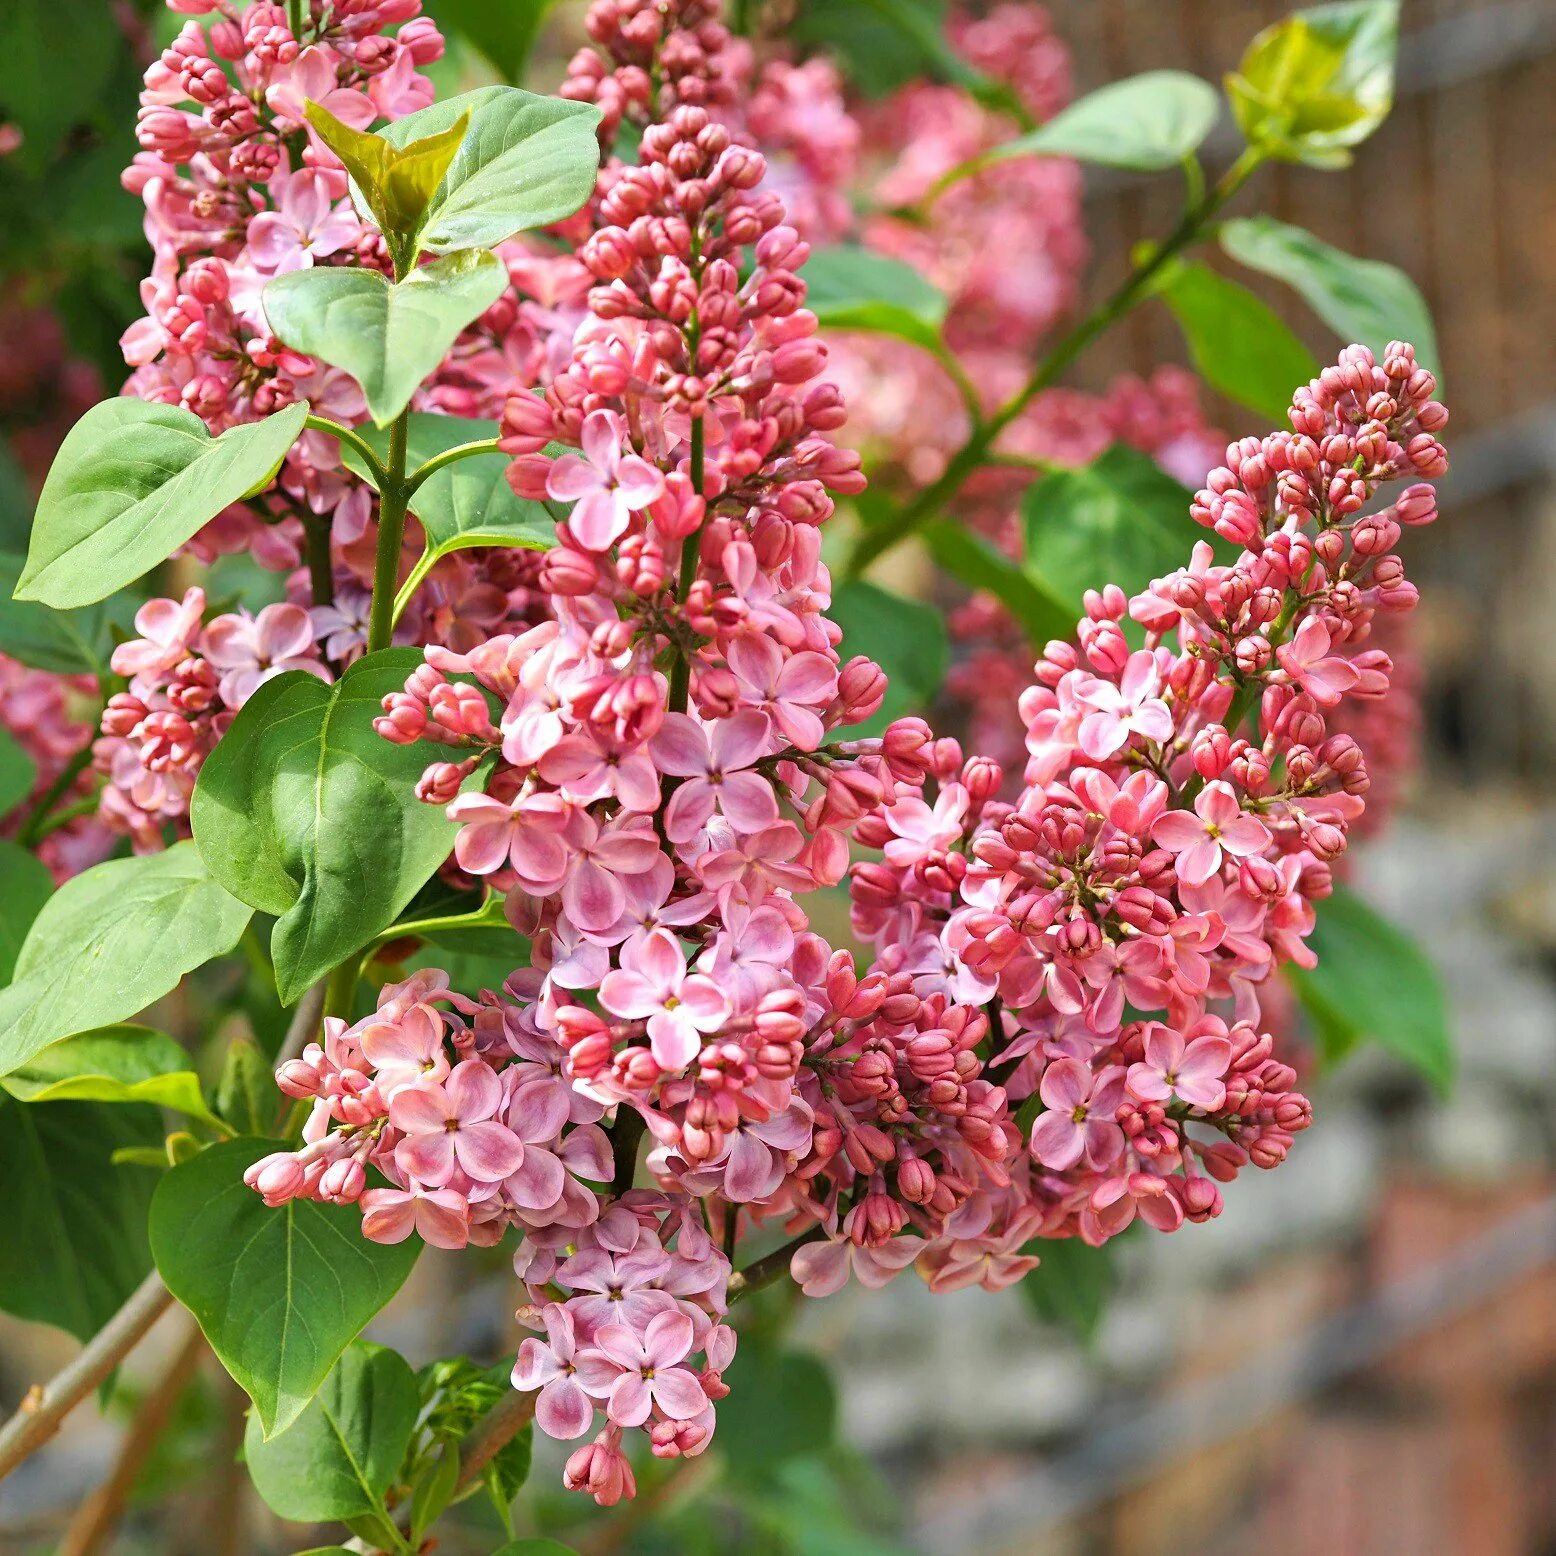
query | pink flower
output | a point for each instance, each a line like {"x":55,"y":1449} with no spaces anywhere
{"x":455,"y":1125}
{"x":605,"y":486}
{"x":1130,"y":708}
{"x":304,"y":223}
{"x":593,"y":893}
{"x":1192,"y":1072}
{"x":1218,"y":825}
{"x":405,"y":1050}
{"x":526,"y":834}
{"x":920,"y":831}
{"x":787,"y":687}
{"x":652,"y":982}
{"x":311,"y":78}
{"x":562,"y":1409}
{"x":1079,"y":1120}
{"x":1306,"y":659}
{"x":624,"y":1288}
{"x":634,"y":1375}
{"x":715,"y":765}
{"x":251,"y":650}
{"x":820,"y":1268}
{"x":168,"y":629}
{"x":439,"y":1217}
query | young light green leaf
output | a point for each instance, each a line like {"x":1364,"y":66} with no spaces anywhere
{"x":851,"y":288}
{"x":279,"y":1293}
{"x":340,"y":1456}
{"x":1321,"y":81}
{"x":114,"y":1064}
{"x":1121,"y":519}
{"x":73,"y":642}
{"x":75,"y":1235}
{"x":17,"y":773}
{"x":304,"y":812}
{"x":389,"y":335}
{"x":131,"y":483}
{"x":1144,"y":123}
{"x":246,"y":1090}
{"x":397,"y":182}
{"x":109,"y":942}
{"x":979,"y":564}
{"x":28,"y":885}
{"x":1374,"y":983}
{"x":467,"y":503}
{"x":525,"y":162}
{"x":907,"y":638}
{"x":1238,"y":344}
{"x":1361,"y":300}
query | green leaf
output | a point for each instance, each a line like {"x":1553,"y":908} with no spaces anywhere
{"x":131,"y":483}
{"x":73,"y":642}
{"x":279,"y":1293}
{"x":907,"y":638}
{"x":782,"y":1404}
{"x":109,"y":942}
{"x":1145,"y":123}
{"x":1319,"y":82}
{"x":467,"y":503}
{"x":246,"y":1096}
{"x":44,"y":88}
{"x":853,"y":289}
{"x":396,"y":181}
{"x":538,"y":1546}
{"x":17,"y":772}
{"x":509,"y":1469}
{"x":340,"y":1456}
{"x":979,"y":564}
{"x":305,"y":813}
{"x":114,"y":1064}
{"x":1361,"y":300}
{"x":504,"y":33}
{"x":28,"y":885}
{"x":75,"y":1237}
{"x":389,"y":335}
{"x":525,"y":162}
{"x":1121,"y":519}
{"x":1071,"y":1284}
{"x":1373,"y":983}
{"x":1238,"y":345}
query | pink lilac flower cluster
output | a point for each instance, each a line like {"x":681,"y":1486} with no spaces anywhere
{"x":666,"y":772}
{"x":187,"y":679}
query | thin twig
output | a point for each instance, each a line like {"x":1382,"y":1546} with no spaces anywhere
{"x":92,"y":1527}
{"x":769,"y":1267}
{"x":305,"y":1023}
{"x":492,"y":1433}
{"x":41,"y":1412}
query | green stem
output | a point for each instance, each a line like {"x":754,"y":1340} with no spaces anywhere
{"x":349,"y":435}
{"x":393,"y":496}
{"x":448,"y":457}
{"x":294,"y":17}
{"x":681,"y":670}
{"x":769,"y":1267}
{"x":880,"y":538}
{"x":63,"y":817}
{"x":321,"y":570}
{"x":342,"y":989}
{"x":36,"y":825}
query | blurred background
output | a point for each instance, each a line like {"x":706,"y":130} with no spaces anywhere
{"x":1360,"y":1354}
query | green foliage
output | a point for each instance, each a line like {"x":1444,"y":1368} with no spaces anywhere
{"x":1321,"y":81}
{"x":504,"y":33}
{"x":1373,"y":983}
{"x":131,"y":483}
{"x":342,"y":1454}
{"x":109,"y":942}
{"x":1121,"y":518}
{"x":75,"y":1238}
{"x":467,"y":503}
{"x":534,"y":1547}
{"x":70,"y":642}
{"x":524,"y":162}
{"x":28,"y":885}
{"x":17,"y":773}
{"x":246,"y":1091}
{"x":851,"y":288}
{"x":279,"y":1293}
{"x":43,"y":85}
{"x":1363,"y":300}
{"x":389,"y":335}
{"x":782,"y":1405}
{"x":907,"y":638}
{"x":1238,"y":344}
{"x":1072,"y":1283}
{"x":303,"y":812}
{"x":114,"y":1064}
{"x":980,"y":564}
{"x":1145,"y":123}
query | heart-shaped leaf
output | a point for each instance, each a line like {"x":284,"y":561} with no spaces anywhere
{"x":1362,"y":300}
{"x":340,"y":1456}
{"x":109,"y":942}
{"x":389,"y":335}
{"x":303,"y":811}
{"x":1239,"y":344}
{"x":75,"y":1232}
{"x":279,"y":1293}
{"x":131,"y":483}
{"x":73,"y":642}
{"x":525,"y":162}
{"x":114,"y":1064}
